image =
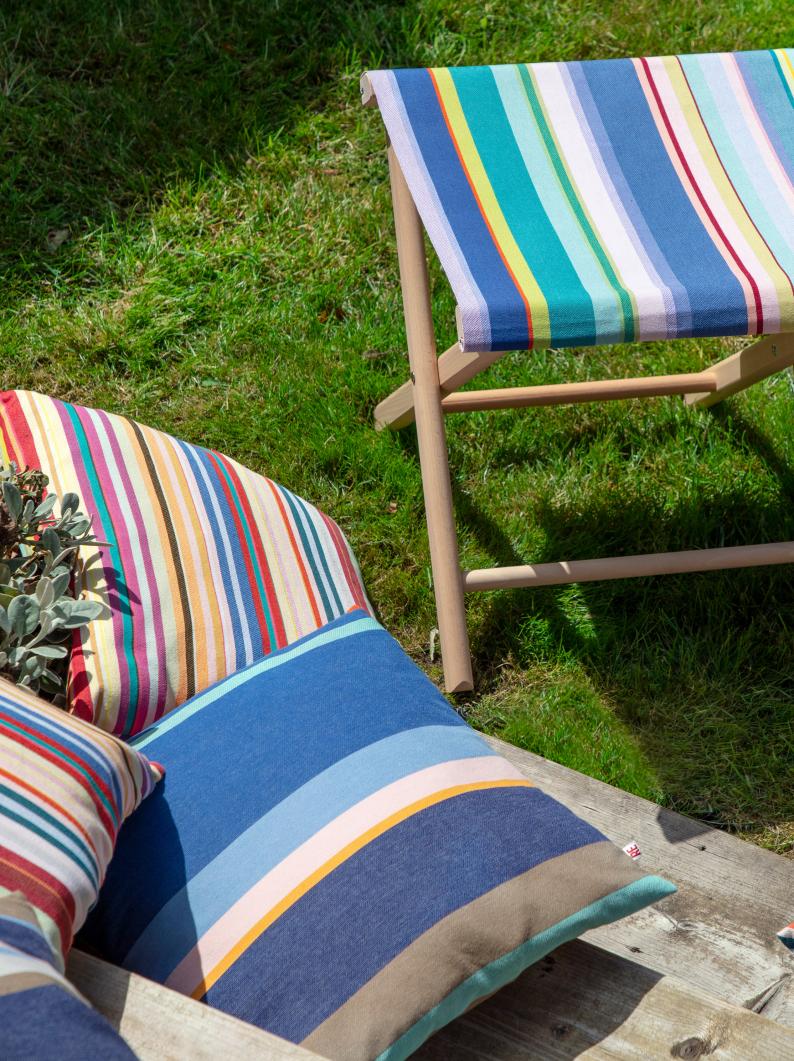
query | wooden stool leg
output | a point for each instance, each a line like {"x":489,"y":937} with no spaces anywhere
{"x":431,"y":436}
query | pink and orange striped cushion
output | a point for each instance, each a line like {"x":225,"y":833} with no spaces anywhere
{"x":209,"y":566}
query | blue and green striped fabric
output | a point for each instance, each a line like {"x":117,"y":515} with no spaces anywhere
{"x":336,"y":856}
{"x":42,"y":1016}
{"x":605,"y":201}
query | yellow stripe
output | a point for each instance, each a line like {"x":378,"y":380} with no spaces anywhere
{"x":725,"y":189}
{"x":301,"y":889}
{"x":541,"y":325}
{"x":786,"y":64}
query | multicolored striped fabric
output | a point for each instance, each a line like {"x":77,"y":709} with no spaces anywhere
{"x":609,"y":201}
{"x":41,"y":1015}
{"x":208,"y":567}
{"x":65,"y":789}
{"x":341,"y":860}
{"x":786,"y":936}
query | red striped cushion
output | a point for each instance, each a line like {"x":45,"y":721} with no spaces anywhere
{"x":209,"y":566}
{"x":65,"y":790}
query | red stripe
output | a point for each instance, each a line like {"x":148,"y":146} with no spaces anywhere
{"x":264,"y":571}
{"x":297,"y":551}
{"x":465,"y":169}
{"x":728,"y":178}
{"x":249,"y":565}
{"x":759,"y":313}
{"x":41,"y":889}
{"x":353,"y":581}
{"x":16,"y":433}
{"x":57,"y":759}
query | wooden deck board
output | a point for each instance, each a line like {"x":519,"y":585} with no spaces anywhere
{"x":718,"y":931}
{"x":583,"y":1002}
{"x":161,"y":1025}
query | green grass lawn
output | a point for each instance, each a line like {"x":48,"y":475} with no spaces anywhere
{"x":230,"y":275}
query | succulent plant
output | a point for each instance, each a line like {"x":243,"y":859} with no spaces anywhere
{"x":38,"y":561}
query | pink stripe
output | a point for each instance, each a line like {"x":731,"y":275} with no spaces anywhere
{"x":140,"y":628}
{"x":89,"y":504}
{"x":126,"y":568}
{"x":353,"y":581}
{"x":305,"y":860}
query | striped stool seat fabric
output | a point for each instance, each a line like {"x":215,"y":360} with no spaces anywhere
{"x":605,"y":201}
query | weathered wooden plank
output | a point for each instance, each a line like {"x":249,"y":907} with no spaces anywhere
{"x":161,"y":1025}
{"x":583,"y":1001}
{"x":718,"y":932}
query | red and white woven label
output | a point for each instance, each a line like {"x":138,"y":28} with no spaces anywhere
{"x":632,"y":850}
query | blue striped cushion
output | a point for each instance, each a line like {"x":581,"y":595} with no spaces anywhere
{"x":337,"y":857}
{"x":42,"y":1016}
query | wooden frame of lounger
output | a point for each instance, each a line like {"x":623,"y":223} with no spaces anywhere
{"x":430,"y":394}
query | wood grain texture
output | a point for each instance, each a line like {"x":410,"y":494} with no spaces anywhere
{"x":718,"y":932}
{"x":583,"y":1002}
{"x":771,"y":354}
{"x":162,"y":1025}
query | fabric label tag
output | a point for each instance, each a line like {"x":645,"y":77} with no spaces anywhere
{"x":632,"y":850}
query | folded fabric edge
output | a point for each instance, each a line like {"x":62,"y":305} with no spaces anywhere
{"x":612,"y":907}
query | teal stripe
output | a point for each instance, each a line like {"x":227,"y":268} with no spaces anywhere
{"x":8,"y":723}
{"x":252,"y":553}
{"x":589,"y":232}
{"x":555,"y":202}
{"x":611,"y":907}
{"x":234,"y":681}
{"x":529,"y":223}
{"x":90,"y":872}
{"x":39,"y":812}
{"x":782,"y":75}
{"x":320,"y":552}
{"x":288,"y":497}
{"x":109,"y":533}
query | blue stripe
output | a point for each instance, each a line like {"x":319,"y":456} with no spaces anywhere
{"x":716,"y":298}
{"x":173,"y":931}
{"x":510,"y":330}
{"x":409,"y":878}
{"x":772,"y":100}
{"x":254,"y":719}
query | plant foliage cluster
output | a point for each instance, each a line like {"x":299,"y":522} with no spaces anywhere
{"x":39,"y":608}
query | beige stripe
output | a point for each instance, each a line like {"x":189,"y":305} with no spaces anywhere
{"x":464,"y":942}
{"x":14,"y":904}
{"x":16,"y":982}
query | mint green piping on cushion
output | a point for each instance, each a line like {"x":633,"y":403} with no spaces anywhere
{"x":500,"y":972}
{"x":181,"y":714}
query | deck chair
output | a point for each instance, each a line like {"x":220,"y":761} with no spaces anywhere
{"x":584,"y":203}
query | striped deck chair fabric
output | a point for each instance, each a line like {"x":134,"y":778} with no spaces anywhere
{"x":606,"y":201}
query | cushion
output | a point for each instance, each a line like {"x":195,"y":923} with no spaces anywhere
{"x":42,"y":1017}
{"x":65,"y":789}
{"x":338,"y":858}
{"x":208,"y":565}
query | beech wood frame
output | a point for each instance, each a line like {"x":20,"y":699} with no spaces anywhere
{"x":432,"y":392}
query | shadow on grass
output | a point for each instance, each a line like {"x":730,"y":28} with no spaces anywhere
{"x":697,"y":668}
{"x":103,"y":106}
